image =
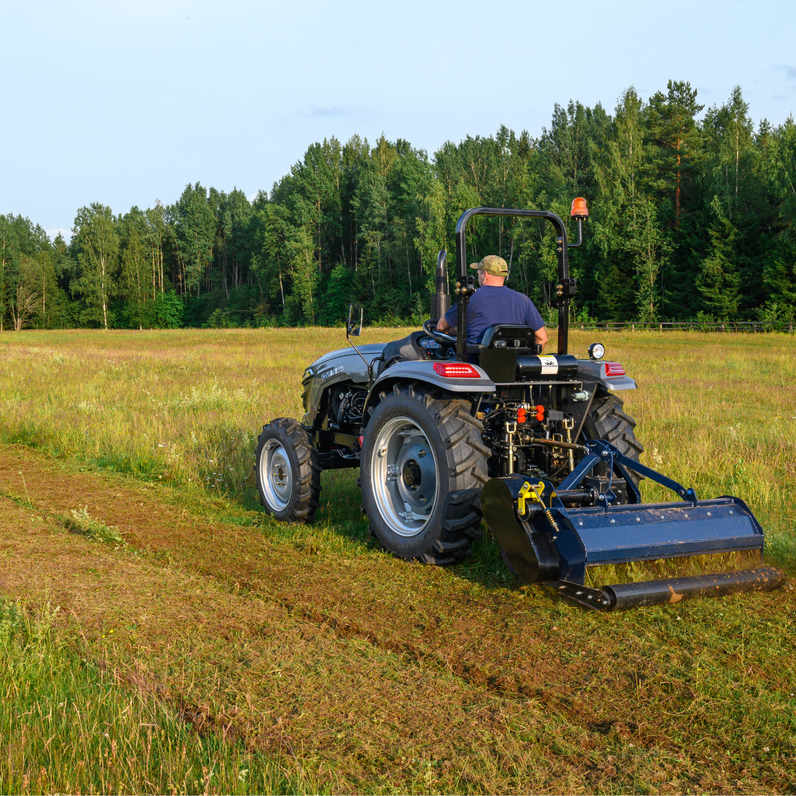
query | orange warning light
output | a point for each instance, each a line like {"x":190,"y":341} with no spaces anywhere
{"x":579,"y":208}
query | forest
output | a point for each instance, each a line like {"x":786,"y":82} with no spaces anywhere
{"x":691,"y":218}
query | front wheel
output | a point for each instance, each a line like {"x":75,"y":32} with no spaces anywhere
{"x":423,"y":468}
{"x":288,"y":471}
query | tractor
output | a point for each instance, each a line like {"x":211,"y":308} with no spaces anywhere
{"x":447,"y":433}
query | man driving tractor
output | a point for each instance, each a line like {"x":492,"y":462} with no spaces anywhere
{"x":494,"y":303}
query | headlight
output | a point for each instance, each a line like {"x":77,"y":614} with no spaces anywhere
{"x":596,"y":351}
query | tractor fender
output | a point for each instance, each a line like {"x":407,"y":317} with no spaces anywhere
{"x":422,"y":372}
{"x":595,"y":371}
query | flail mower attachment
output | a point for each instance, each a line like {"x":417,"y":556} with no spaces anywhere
{"x":551,"y":534}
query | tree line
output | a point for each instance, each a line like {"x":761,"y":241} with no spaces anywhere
{"x":691,"y":218}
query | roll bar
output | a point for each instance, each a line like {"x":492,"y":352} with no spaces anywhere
{"x":465,"y":281}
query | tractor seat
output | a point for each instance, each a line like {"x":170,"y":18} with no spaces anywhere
{"x":503,"y":348}
{"x":521,"y":339}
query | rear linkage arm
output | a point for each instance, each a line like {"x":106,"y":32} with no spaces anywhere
{"x":599,"y":452}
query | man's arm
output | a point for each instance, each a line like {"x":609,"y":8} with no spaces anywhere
{"x":444,"y":327}
{"x":541,"y":337}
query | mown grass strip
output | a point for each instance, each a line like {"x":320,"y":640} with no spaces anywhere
{"x":385,"y":676}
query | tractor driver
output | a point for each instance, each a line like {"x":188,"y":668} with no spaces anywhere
{"x":493,"y":303}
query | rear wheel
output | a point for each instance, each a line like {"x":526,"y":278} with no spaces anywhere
{"x":423,"y":468}
{"x":608,"y":421}
{"x":288,"y":471}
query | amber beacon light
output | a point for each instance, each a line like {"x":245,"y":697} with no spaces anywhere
{"x":579,"y":209}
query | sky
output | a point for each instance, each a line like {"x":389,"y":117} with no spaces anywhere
{"x":126,"y":103}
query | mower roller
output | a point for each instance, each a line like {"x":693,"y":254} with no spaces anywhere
{"x":445,"y":432}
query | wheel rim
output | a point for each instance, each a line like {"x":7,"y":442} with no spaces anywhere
{"x":276,"y":475}
{"x":403,"y":473}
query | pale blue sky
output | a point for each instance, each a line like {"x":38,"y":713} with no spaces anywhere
{"x":126,"y":103}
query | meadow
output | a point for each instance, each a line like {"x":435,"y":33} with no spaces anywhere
{"x":161,"y":634}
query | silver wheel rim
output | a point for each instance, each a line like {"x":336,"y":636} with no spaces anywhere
{"x":276,"y":475}
{"x":403,"y":473}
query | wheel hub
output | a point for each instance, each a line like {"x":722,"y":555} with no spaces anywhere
{"x":279,"y":475}
{"x":412,"y":475}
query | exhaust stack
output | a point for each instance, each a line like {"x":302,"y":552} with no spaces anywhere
{"x":440,"y":299}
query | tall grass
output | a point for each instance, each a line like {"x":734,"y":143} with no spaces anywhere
{"x":179,"y":407}
{"x":67,"y":727}
{"x":718,"y":413}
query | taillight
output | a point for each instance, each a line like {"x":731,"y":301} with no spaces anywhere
{"x":613,"y":369}
{"x":456,"y":370}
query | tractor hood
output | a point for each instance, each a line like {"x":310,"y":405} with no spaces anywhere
{"x":344,"y":362}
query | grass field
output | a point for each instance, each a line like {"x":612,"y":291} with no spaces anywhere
{"x":161,"y":634}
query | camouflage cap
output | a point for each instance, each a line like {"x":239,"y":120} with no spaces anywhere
{"x":492,"y":264}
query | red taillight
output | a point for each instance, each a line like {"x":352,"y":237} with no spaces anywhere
{"x":613,"y":369}
{"x":456,"y":370}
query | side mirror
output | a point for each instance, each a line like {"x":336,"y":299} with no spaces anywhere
{"x":353,"y":327}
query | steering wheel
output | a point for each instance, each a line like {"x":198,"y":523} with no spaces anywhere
{"x":430,"y":328}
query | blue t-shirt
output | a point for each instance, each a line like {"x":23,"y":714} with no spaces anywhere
{"x":493,"y":304}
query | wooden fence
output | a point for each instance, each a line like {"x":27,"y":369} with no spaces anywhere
{"x":663,"y":326}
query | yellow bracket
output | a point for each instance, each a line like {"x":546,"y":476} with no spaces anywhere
{"x":529,"y":492}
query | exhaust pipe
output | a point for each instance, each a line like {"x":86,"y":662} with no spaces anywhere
{"x":440,"y":299}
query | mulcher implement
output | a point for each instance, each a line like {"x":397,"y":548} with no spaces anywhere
{"x":551,"y":534}
{"x":447,"y":433}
